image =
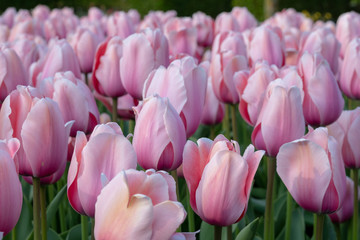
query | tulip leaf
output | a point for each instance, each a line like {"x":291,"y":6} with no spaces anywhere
{"x":206,"y":231}
{"x":52,"y":235}
{"x":329,"y":231}
{"x":298,"y":225}
{"x":24,"y":226}
{"x":248,"y":232}
{"x":54,"y":205}
{"x":74,"y":233}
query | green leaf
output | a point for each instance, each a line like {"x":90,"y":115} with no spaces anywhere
{"x":298,"y":225}
{"x":329,"y":231}
{"x":54,"y":205}
{"x":206,"y":231}
{"x":24,"y":226}
{"x":248,"y":233}
{"x":52,"y":235}
{"x":74,"y":233}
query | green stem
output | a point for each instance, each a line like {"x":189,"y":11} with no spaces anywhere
{"x":131,"y":126}
{"x":190,"y":213}
{"x":86,"y":79}
{"x":212,"y":132}
{"x":349,"y":103}
{"x":13,"y":233}
{"x":337,"y":230}
{"x":92,"y":228}
{"x":289,"y":208}
{"x":36,"y":208}
{"x":84,"y":227}
{"x":268,"y":225}
{"x":61,"y":209}
{"x":114,"y":110}
{"x":225,"y":122}
{"x":234,"y":123}
{"x":355,"y":175}
{"x":229,"y":232}
{"x":175,"y":176}
{"x":318,"y":226}
{"x":217,"y":232}
{"x":51,"y":196}
{"x":43,"y":212}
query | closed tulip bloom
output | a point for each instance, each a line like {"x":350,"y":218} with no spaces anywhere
{"x":313,"y":171}
{"x":244,"y":18}
{"x":29,"y":26}
{"x":225,"y":22}
{"x":138,"y":205}
{"x":75,"y":100}
{"x":346,"y":132}
{"x":8,"y":16}
{"x":184,"y":83}
{"x":205,"y":28}
{"x":349,"y":74}
{"x":10,"y":188}
{"x":346,"y":211}
{"x":119,"y":24}
{"x":41,"y":12}
{"x":96,"y":161}
{"x":323,"y":101}
{"x":228,"y":57}
{"x":158,"y":143}
{"x":142,"y":53}
{"x":347,"y":28}
{"x":219,"y":178}
{"x":60,"y":58}
{"x":280,"y":119}
{"x":267,"y":43}
{"x":214,"y":110}
{"x":323,"y":41}
{"x":53,"y":178}
{"x":38,"y":123}
{"x":84,"y":42}
{"x":106,"y":69}
{"x":12,"y":72}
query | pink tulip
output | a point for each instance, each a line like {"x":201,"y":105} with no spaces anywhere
{"x":219,"y":178}
{"x":10,"y":188}
{"x":226,"y":22}
{"x":54,"y":26}
{"x":38,"y":124}
{"x":84,"y":43}
{"x":268,"y":44}
{"x":29,"y":26}
{"x":95,"y":14}
{"x":75,"y":100}
{"x":322,"y":41}
{"x":119,"y":24}
{"x":244,"y":18}
{"x":204,"y":25}
{"x":142,"y":203}
{"x":12,"y":72}
{"x":292,"y":39}
{"x":251,"y":88}
{"x":134,"y":16}
{"x":288,"y":19}
{"x":345,"y":131}
{"x":182,"y":36}
{"x":280,"y":119}
{"x":125,"y":105}
{"x":346,"y":211}
{"x":323,"y":101}
{"x":162,"y":146}
{"x":347,"y":28}
{"x":106,"y":69}
{"x":60,"y":58}
{"x":99,"y":159}
{"x":214,"y":110}
{"x":350,"y":76}
{"x":142,"y":53}
{"x":184,"y":83}
{"x":4,"y":33}
{"x":313,"y":171}
{"x":41,"y":12}
{"x":228,"y":57}
{"x":53,"y":178}
{"x":8,"y":16}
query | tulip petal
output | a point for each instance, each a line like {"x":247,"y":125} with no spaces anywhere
{"x":304,"y":168}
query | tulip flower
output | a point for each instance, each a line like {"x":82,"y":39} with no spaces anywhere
{"x":244,"y":18}
{"x":38,"y":123}
{"x":349,"y":76}
{"x":228,"y":57}
{"x":158,"y":143}
{"x":106,"y":69}
{"x":323,"y":101}
{"x":184,"y":83}
{"x":138,"y":205}
{"x":75,"y":100}
{"x":99,"y":159}
{"x":214,"y":110}
{"x":219,"y":178}
{"x":205,"y":28}
{"x":12,"y":72}
{"x":10,"y":188}
{"x":346,"y":211}
{"x":268,"y":44}
{"x":41,"y":12}
{"x":225,"y":22}
{"x":142,"y":53}
{"x":347,"y":28}
{"x":60,"y":58}
{"x":313,"y":171}
{"x":84,"y":42}
{"x":8,"y":16}
{"x":280,"y":119}
{"x":119,"y":24}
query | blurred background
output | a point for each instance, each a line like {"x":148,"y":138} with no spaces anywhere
{"x":317,"y":9}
